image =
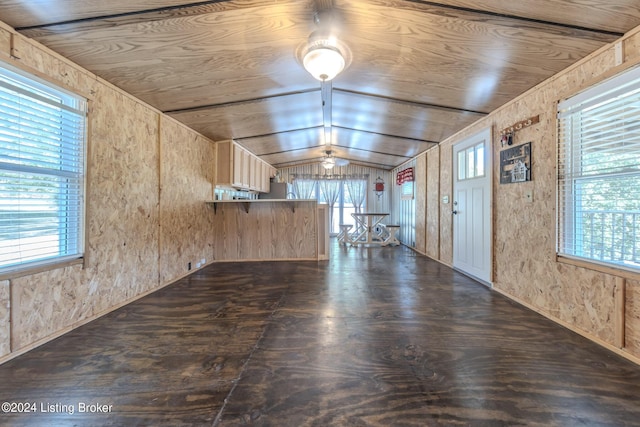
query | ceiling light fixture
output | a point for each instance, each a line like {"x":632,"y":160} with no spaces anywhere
{"x":328,"y":163}
{"x":325,"y":56}
{"x":323,"y":60}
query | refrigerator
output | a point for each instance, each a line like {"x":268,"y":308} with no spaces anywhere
{"x":278,"y":191}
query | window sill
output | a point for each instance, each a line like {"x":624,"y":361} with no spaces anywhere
{"x":607,"y":269}
{"x":14,"y":274}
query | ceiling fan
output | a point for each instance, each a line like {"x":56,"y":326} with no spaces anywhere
{"x":329,"y":161}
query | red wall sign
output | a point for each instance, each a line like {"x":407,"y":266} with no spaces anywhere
{"x":404,"y":176}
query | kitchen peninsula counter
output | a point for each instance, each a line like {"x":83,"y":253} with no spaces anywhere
{"x":270,"y":229}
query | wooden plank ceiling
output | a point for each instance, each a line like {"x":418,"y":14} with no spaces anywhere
{"x":418,"y":71}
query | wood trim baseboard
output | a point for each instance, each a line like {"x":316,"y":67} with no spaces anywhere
{"x":572,"y":328}
{"x":18,"y":352}
{"x":220,"y":261}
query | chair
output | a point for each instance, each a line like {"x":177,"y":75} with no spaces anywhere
{"x":391,"y":239}
{"x":343,"y":236}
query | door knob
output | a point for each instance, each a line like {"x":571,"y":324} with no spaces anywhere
{"x":455,"y":212}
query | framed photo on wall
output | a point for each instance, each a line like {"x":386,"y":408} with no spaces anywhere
{"x":515,"y":164}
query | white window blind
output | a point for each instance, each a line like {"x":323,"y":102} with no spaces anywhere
{"x":599,"y":173}
{"x":42,"y":157}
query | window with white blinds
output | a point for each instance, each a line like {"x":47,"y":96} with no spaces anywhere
{"x":599,"y":173}
{"x":42,"y":162}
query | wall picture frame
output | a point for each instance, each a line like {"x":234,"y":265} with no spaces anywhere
{"x":515,"y":164}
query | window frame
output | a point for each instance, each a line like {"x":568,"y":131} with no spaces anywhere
{"x":471,"y":162}
{"x":75,"y":217}
{"x":570,"y":178}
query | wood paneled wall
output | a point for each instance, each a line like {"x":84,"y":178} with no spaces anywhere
{"x":5,"y":318}
{"x":525,"y":266}
{"x":265,"y":230}
{"x":632,"y":317}
{"x":186,"y":173}
{"x":427,"y":199}
{"x":433,"y":201}
{"x":420,"y":189}
{"x":147,"y":180}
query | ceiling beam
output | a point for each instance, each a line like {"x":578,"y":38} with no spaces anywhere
{"x":374,"y":165}
{"x":407,"y":102}
{"x":404,"y":138}
{"x":204,"y":4}
{"x":326,"y":89}
{"x":385,"y":153}
{"x":337,"y":90}
{"x":266,"y":135}
{"x":123,"y":14}
{"x":515,"y":17}
{"x":240,"y":102}
{"x":315,"y":147}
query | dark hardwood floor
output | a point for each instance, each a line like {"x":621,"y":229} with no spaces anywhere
{"x":374,"y":337}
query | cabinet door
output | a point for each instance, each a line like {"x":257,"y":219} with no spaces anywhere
{"x":238,"y":158}
{"x":246,"y":169}
{"x":224,"y":163}
{"x":256,"y":174}
{"x":266,"y":184}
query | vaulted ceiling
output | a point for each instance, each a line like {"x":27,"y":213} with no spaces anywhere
{"x":418,"y":71}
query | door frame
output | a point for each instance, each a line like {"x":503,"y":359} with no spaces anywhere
{"x":486,"y":136}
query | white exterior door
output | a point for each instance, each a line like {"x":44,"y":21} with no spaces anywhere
{"x":472,"y":233}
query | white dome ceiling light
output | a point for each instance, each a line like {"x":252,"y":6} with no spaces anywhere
{"x":323,"y":60}
{"x":324,"y":57}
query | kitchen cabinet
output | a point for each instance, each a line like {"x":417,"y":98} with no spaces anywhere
{"x":266,"y":178}
{"x":255,"y":177}
{"x":237,"y":167}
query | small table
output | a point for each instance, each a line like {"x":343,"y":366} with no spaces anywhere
{"x":366,"y":224}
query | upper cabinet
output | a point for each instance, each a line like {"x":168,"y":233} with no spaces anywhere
{"x":237,"y":167}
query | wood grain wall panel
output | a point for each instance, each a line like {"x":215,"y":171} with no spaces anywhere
{"x":186,"y":177}
{"x":123,"y":197}
{"x":446,"y":189}
{"x":47,"y":303}
{"x":123,"y":208}
{"x":5,"y":317}
{"x":632,"y":317}
{"x":525,"y":230}
{"x":5,"y":43}
{"x":525,"y":265}
{"x":122,"y":232}
{"x":433,"y":202}
{"x":269,"y":231}
{"x":45,"y":63}
{"x":121,"y":248}
{"x":421,"y":203}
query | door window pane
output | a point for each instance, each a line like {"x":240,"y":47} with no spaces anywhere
{"x":461,"y":166}
{"x":471,"y":162}
{"x":480,"y":159}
